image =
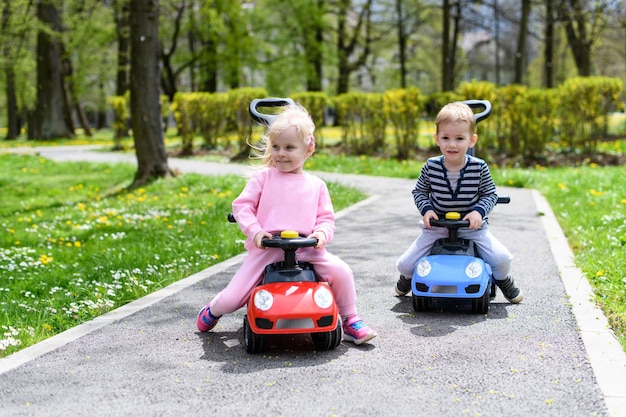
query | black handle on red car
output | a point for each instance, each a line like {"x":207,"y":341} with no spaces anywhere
{"x":263,"y":118}
{"x":289,"y":243}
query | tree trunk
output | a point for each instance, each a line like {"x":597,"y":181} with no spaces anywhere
{"x":577,"y":36}
{"x":402,"y":40}
{"x":13,"y":125}
{"x":52,"y":115}
{"x":13,"y":128}
{"x":447,"y":69}
{"x":72,"y":97}
{"x":314,"y":50}
{"x":123,"y":46}
{"x":548,"y":56}
{"x":520,"y":53}
{"x":145,"y":104}
{"x":347,"y":45}
{"x":208,"y":66}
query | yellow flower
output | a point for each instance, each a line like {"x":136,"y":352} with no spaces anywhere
{"x":45,"y":259}
{"x":562,"y":186}
{"x":77,"y":244}
{"x":595,"y":193}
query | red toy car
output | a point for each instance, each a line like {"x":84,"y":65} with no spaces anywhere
{"x":291,"y":300}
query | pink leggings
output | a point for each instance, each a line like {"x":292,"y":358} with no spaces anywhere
{"x":329,"y":267}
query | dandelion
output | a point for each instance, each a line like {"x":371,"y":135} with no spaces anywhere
{"x":45,"y":259}
{"x":595,"y":193}
{"x":562,"y":186}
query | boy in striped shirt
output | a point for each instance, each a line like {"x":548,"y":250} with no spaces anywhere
{"x":455,"y":181}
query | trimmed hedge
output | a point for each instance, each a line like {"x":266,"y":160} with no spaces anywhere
{"x":524,"y":121}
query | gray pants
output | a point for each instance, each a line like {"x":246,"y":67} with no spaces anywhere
{"x":491,"y":250}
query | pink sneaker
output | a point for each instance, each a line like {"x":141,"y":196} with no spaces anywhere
{"x":206,"y":321}
{"x":354,"y":330}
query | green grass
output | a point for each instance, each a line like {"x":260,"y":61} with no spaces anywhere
{"x":589,"y":202}
{"x":76,"y":244}
{"x":590,"y":205}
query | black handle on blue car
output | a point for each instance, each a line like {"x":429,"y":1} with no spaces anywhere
{"x":264,"y":118}
{"x":504,"y":199}
{"x":480,"y":104}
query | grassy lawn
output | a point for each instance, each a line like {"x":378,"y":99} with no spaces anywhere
{"x":75,"y":243}
{"x":589,"y":202}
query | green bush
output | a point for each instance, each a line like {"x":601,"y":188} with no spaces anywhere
{"x":403,"y":108}
{"x":585,"y":103}
{"x":316,"y":103}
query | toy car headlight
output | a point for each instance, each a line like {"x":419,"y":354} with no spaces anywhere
{"x":323,"y":297}
{"x":473,"y":269}
{"x":423,"y":268}
{"x":263,"y":300}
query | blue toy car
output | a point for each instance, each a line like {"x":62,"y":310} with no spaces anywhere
{"x":453,"y":269}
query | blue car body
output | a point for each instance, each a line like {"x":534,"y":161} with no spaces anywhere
{"x":447,"y":277}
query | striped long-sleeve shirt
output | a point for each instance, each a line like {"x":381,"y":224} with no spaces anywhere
{"x":474,"y":190}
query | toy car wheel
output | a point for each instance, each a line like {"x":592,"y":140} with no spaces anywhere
{"x":254,"y":342}
{"x":492,"y":290}
{"x":327,"y":340}
{"x":481,"y":305}
{"x":421,"y":303}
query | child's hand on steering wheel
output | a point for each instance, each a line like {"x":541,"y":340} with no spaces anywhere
{"x":428,"y":216}
{"x":321,"y":239}
{"x":475,"y":219}
{"x":258,"y":239}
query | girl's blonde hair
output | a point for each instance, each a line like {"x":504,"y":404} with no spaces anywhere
{"x":291,"y":116}
{"x":454,"y":113}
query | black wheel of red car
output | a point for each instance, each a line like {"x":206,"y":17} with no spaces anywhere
{"x":421,"y":303}
{"x":481,"y":305}
{"x":328,"y":340}
{"x":254,"y":342}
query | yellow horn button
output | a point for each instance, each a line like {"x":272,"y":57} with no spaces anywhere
{"x":453,"y":215}
{"x":289,"y":234}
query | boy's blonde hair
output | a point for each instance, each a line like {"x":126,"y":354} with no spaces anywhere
{"x":291,"y":116}
{"x":454,"y":113}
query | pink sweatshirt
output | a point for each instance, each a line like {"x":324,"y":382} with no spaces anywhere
{"x":274,"y":201}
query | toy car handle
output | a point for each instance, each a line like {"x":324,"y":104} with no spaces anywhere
{"x":479,"y":104}
{"x":263,"y":118}
{"x":450,"y":224}
{"x":276,"y":241}
{"x":457,"y":224}
{"x":289,"y":246}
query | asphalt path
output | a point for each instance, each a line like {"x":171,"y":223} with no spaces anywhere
{"x":551,"y":355}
